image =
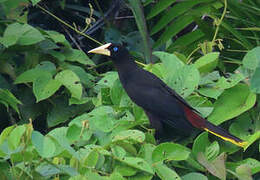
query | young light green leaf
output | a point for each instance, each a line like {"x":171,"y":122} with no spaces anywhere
{"x":207,"y":62}
{"x":15,"y":136}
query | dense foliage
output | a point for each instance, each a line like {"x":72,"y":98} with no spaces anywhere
{"x":65,"y":115}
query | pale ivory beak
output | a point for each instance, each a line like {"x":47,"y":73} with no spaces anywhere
{"x":101,"y":50}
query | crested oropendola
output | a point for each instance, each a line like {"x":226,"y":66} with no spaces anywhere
{"x":164,"y":107}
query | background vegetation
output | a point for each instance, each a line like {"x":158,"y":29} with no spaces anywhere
{"x":65,"y":115}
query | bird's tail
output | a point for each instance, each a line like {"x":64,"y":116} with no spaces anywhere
{"x":223,"y":134}
{"x":199,"y":122}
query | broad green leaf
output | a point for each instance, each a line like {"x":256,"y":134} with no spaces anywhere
{"x":231,"y":103}
{"x":207,"y":62}
{"x":130,"y":135}
{"x":166,"y":173}
{"x":250,"y":162}
{"x":44,"y":87}
{"x":47,"y":66}
{"x":108,"y":79}
{"x":15,"y":136}
{"x":75,"y":55}
{"x":255,"y":81}
{"x":225,"y":83}
{"x":116,"y":92}
{"x":252,"y":59}
{"x":200,"y":144}
{"x":194,"y":176}
{"x":71,"y":81}
{"x":116,"y":176}
{"x":103,"y":122}
{"x":30,"y":75}
{"x":138,"y":163}
{"x":43,"y":145}
{"x":171,"y":62}
{"x":212,"y":151}
{"x":159,"y":7}
{"x":170,"y":151}
{"x":91,"y":159}
{"x":56,"y":36}
{"x":30,"y":35}
{"x":5,"y":133}
{"x":11,"y":35}
{"x":146,"y":152}
{"x":184,"y":80}
{"x":211,"y":92}
{"x":86,"y":78}
{"x":125,"y":170}
{"x":254,"y":137}
{"x":118,"y":151}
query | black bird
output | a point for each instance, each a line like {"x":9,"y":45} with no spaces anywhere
{"x":167,"y":111}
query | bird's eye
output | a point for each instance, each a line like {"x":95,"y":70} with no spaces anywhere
{"x":115,"y":49}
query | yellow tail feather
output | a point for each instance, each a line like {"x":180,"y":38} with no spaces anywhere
{"x":241,"y":144}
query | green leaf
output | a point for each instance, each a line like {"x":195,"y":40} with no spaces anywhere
{"x":129,"y":135}
{"x":252,"y":59}
{"x":47,"y":66}
{"x":56,"y":36}
{"x":8,"y":99}
{"x":91,"y":159}
{"x":250,"y":162}
{"x":30,"y":35}
{"x":165,"y":173}
{"x":211,"y":92}
{"x":170,"y":151}
{"x":159,"y":7}
{"x":231,"y":103}
{"x":184,"y":80}
{"x":212,"y":151}
{"x":5,"y":133}
{"x":15,"y":136}
{"x":207,"y":62}
{"x":43,"y":145}
{"x":200,"y":144}
{"x":194,"y":176}
{"x":44,"y":87}
{"x":118,"y":151}
{"x":71,"y":81}
{"x":11,"y":35}
{"x":75,"y":55}
{"x":30,"y":75}
{"x":225,"y":83}
{"x":171,"y":62}
{"x":138,"y":163}
{"x":255,"y":81}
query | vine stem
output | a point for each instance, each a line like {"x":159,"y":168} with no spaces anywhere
{"x":220,"y":20}
{"x":68,"y":25}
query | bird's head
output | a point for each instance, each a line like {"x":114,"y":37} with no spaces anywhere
{"x":116,"y":51}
